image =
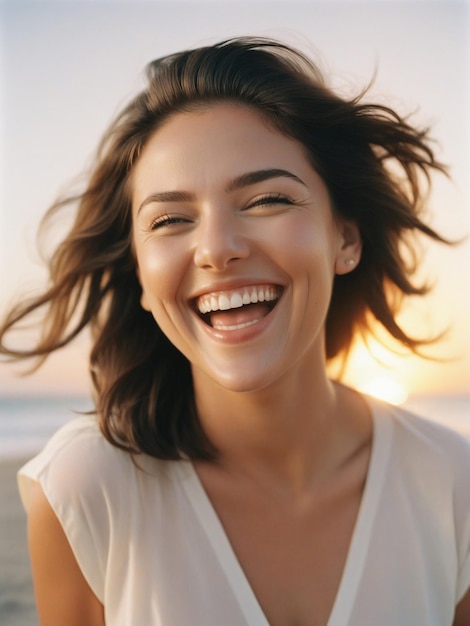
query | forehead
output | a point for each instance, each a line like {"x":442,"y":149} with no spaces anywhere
{"x":215,"y":141}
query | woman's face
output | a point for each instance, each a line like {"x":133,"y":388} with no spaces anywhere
{"x":236,"y":246}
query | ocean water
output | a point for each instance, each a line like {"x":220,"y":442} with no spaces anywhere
{"x":26,"y":423}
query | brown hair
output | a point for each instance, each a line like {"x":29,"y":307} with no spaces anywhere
{"x":372,"y":161}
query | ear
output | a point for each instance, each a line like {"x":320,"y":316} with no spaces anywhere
{"x":350,"y":247}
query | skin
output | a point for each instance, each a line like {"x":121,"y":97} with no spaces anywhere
{"x":462,"y":613}
{"x":294,"y":447}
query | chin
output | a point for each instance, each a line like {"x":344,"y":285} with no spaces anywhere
{"x":239,"y":381}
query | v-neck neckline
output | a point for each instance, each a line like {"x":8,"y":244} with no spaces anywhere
{"x":357,"y":551}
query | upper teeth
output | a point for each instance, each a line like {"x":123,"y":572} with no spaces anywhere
{"x":235,"y":299}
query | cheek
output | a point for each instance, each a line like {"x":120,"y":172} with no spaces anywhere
{"x":160,"y":269}
{"x":304,"y":246}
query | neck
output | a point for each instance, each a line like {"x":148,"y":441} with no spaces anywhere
{"x":288,"y":430}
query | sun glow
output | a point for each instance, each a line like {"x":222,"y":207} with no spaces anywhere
{"x":378,"y":371}
{"x":385,"y":388}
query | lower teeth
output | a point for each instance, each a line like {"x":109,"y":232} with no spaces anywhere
{"x":237,"y":326}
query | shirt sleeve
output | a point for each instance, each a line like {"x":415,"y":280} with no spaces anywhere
{"x":78,"y":474}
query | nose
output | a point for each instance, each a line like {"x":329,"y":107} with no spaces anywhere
{"x":219,"y":242}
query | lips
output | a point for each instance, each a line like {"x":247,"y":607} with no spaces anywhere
{"x":237,"y":308}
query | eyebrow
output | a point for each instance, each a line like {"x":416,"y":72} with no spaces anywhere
{"x":167,"y":196}
{"x":244,"y":180}
{"x":258,"y":176}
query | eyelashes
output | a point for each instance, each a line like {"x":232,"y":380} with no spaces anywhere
{"x":168,"y":220}
{"x":270,"y":199}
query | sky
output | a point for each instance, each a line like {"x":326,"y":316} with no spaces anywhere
{"x":66,"y":68}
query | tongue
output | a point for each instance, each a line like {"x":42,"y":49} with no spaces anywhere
{"x":234,"y":317}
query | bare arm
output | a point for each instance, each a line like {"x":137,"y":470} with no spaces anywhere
{"x":462,"y":613}
{"x":62,"y":594}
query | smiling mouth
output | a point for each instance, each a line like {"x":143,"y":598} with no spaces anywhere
{"x":237,"y":308}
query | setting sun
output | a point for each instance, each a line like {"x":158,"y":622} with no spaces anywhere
{"x":385,"y":388}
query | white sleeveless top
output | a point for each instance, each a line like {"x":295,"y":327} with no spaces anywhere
{"x":154,"y":552}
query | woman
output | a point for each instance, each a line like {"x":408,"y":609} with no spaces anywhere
{"x":242,"y":224}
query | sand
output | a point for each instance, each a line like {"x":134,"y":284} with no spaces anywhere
{"x":17,"y":606}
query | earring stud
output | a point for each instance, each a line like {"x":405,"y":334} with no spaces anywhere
{"x":350,"y":262}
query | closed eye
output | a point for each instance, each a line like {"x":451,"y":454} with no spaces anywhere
{"x":270,"y":199}
{"x":167,"y":220}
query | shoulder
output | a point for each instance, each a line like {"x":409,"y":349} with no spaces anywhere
{"x":433,"y":461}
{"x":420,"y":434}
{"x":425,"y":456}
{"x":417,"y":438}
{"x":77,"y":463}
{"x":80,"y":468}
{"x":80,"y":471}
